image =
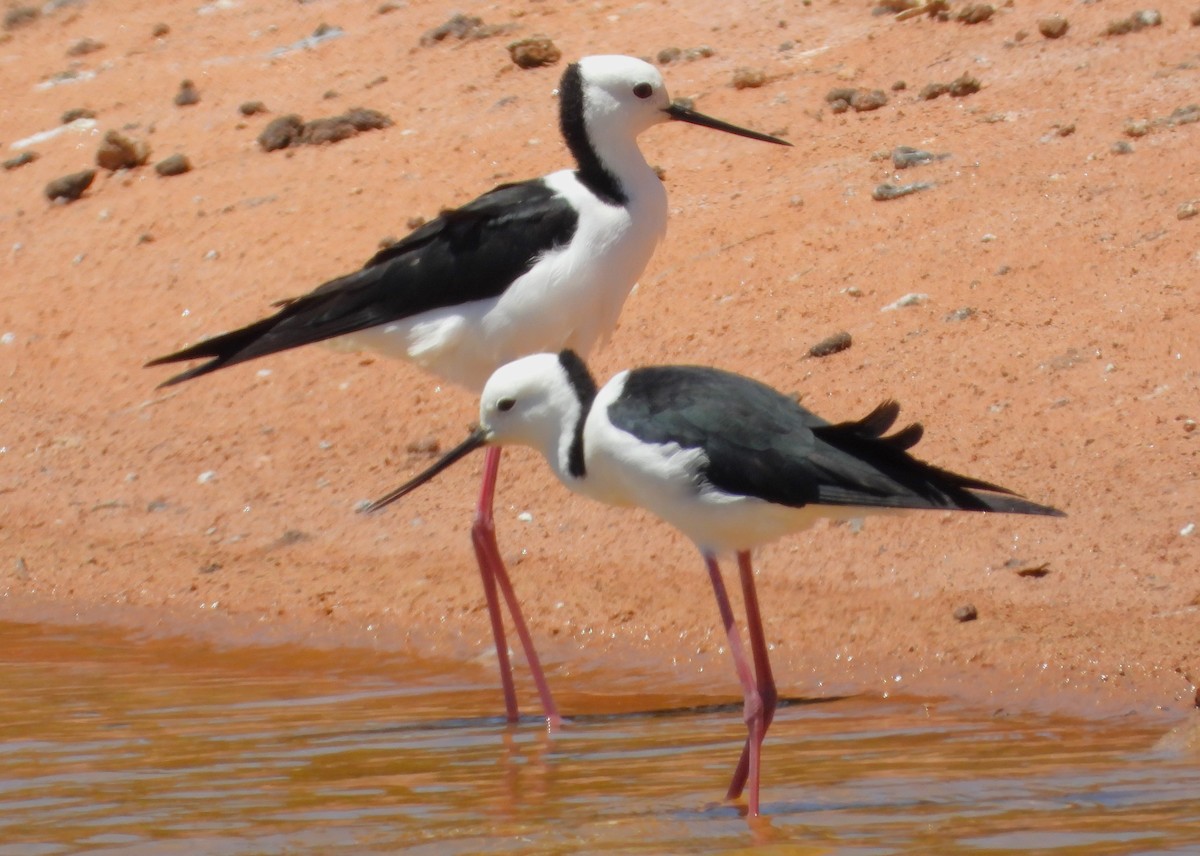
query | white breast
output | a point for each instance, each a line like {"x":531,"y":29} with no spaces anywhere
{"x":571,"y":298}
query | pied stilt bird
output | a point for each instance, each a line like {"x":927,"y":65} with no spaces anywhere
{"x":531,"y":266}
{"x":728,"y":461}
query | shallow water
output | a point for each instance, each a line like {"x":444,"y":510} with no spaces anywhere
{"x":110,"y":744}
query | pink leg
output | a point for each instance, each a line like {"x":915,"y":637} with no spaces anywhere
{"x":483,"y":531}
{"x":491,"y":568}
{"x":753,"y":709}
{"x":762,"y":668}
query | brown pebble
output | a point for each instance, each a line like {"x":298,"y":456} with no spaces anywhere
{"x":1053,"y":26}
{"x":964,"y":85}
{"x":19,"y":16}
{"x":1195,"y":18}
{"x":1034,"y":571}
{"x":976,"y":13}
{"x":176,"y":164}
{"x":29,"y":157}
{"x":748,"y":78}
{"x":348,"y":124}
{"x":70,"y":187}
{"x":966,"y":612}
{"x":461,"y":27}
{"x":1136,"y":128}
{"x":865,"y":100}
{"x":331,"y":130}
{"x":831,"y":345}
{"x":119,"y":152}
{"x":281,"y":133}
{"x":534,"y":52}
{"x":1187,"y":210}
{"x":840,"y":93}
{"x":85,"y":46}
{"x":931,"y":91}
{"x":74,"y":113}
{"x":187,"y":94}
{"x":160,"y":30}
{"x":666,"y":56}
{"x":252,"y":108}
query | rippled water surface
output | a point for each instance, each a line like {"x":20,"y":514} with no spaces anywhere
{"x":116,"y":745}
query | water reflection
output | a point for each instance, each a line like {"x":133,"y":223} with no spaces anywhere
{"x":108,"y":745}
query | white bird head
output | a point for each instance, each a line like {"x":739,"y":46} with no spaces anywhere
{"x":623,"y":95}
{"x":535,"y":401}
{"x":530,"y":402}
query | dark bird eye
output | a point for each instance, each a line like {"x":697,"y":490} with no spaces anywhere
{"x":643,"y":90}
{"x":506,"y":404}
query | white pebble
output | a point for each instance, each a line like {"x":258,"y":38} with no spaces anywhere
{"x":525,"y":517}
{"x":8,"y":338}
{"x":1187,"y":530}
{"x":206,"y":476}
{"x":911,"y":299}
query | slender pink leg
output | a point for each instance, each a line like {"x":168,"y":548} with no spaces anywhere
{"x":491,"y":568}
{"x":752,"y":712}
{"x":762,"y":668}
{"x":483,"y":531}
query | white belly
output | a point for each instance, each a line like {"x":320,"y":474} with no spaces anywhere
{"x":571,"y":298}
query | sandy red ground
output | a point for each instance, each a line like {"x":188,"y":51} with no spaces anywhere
{"x":1073,"y":382}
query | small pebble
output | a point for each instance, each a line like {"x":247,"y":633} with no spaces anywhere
{"x":1187,"y":530}
{"x":119,"y":152}
{"x":534,"y":52}
{"x":281,"y":132}
{"x":905,"y":156}
{"x":910,"y":299}
{"x":831,"y":345}
{"x":1187,"y":210}
{"x":931,"y":91}
{"x":886,"y":191}
{"x":70,"y":187}
{"x":976,"y":13}
{"x":966,"y":612}
{"x":1138,"y":128}
{"x":74,"y":113}
{"x":187,"y":94}
{"x":176,"y":164}
{"x":748,"y":78}
{"x":160,"y":30}
{"x":29,"y":157}
{"x":85,"y":46}
{"x":1053,"y":26}
{"x":666,"y":56}
{"x":19,"y":16}
{"x":963,"y":86}
{"x":252,"y":108}
{"x":1121,"y":147}
{"x":206,"y":476}
{"x":866,"y":100}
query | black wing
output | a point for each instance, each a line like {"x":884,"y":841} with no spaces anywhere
{"x":761,"y":443}
{"x":465,"y":254}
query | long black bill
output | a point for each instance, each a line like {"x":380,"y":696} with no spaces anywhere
{"x":477,"y":438}
{"x":686,"y":114}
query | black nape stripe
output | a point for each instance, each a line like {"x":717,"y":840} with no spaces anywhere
{"x":591,"y":172}
{"x":584,"y":384}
